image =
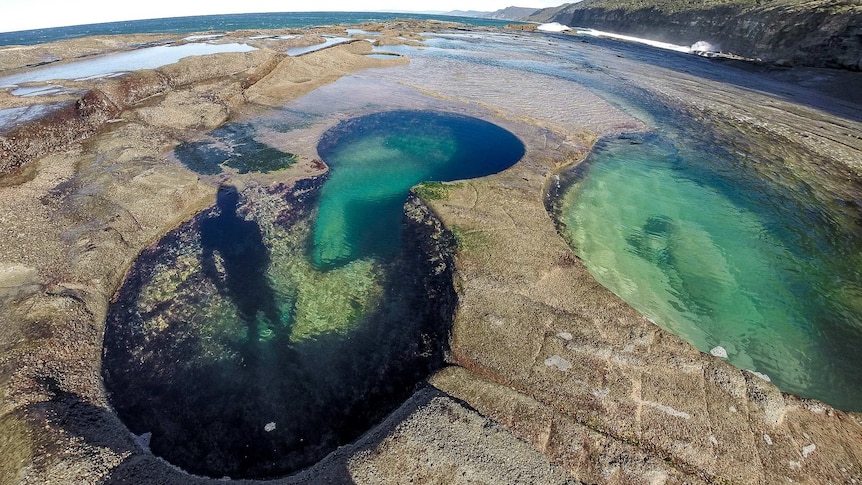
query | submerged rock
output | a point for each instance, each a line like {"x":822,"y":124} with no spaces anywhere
{"x":224,"y":321}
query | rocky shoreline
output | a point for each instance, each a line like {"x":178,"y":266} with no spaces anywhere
{"x":818,"y":34}
{"x":551,"y":378}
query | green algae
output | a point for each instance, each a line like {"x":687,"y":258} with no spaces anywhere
{"x":234,"y":146}
{"x":434,"y":190}
{"x":326,"y":302}
{"x":16,"y":448}
{"x":205,"y":368}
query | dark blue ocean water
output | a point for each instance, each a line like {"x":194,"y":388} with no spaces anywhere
{"x":203,"y":23}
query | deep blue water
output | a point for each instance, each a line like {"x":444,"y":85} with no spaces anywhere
{"x":182,"y":25}
{"x":244,"y":358}
{"x":375,"y":159}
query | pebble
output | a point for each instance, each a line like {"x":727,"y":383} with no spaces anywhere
{"x":719,"y":352}
{"x":558,"y":362}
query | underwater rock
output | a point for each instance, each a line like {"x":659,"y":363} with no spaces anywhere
{"x":213,"y":328}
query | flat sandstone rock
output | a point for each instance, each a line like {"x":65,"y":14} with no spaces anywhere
{"x":552,"y":378}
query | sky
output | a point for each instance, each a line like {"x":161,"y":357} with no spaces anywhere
{"x":36,"y":14}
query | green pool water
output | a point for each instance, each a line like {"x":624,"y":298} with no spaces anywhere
{"x":375,"y":159}
{"x":720,"y":262}
{"x":287,"y":320}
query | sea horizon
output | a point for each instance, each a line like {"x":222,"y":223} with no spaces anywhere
{"x":224,"y":23}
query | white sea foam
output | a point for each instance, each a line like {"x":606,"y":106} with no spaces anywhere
{"x":703,"y":46}
{"x":761,"y":375}
{"x":203,"y":37}
{"x":553,"y":27}
{"x":654,"y":43}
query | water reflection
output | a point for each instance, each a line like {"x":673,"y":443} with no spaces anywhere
{"x":113,"y":64}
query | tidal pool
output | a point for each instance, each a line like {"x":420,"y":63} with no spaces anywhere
{"x":721,"y":258}
{"x":232,"y":351}
{"x":375,"y":159}
{"x":114,"y":64}
{"x":232,"y":145}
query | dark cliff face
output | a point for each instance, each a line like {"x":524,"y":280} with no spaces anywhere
{"x":817,"y":33}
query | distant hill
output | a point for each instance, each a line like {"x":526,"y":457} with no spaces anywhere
{"x":508,"y":13}
{"x":822,"y":33}
{"x":468,"y":13}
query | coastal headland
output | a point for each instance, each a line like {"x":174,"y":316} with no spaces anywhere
{"x":549,"y":377}
{"x":821,"y":33}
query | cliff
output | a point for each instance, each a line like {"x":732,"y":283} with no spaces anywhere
{"x":819,"y":33}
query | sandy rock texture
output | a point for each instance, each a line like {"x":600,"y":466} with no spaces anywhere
{"x":84,"y":190}
{"x":552,"y":378}
{"x":567,"y":366}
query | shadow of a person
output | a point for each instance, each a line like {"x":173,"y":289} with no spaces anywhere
{"x":244,"y":260}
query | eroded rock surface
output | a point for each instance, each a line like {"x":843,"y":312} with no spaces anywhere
{"x":553,"y":379}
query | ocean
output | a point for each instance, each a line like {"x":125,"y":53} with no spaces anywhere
{"x":203,"y":23}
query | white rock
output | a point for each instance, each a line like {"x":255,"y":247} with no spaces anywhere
{"x":807,"y":450}
{"x":269,"y":427}
{"x":558,"y":362}
{"x":762,"y":376}
{"x":667,"y":409}
{"x":565,"y":336}
{"x":601,"y":393}
{"x":719,"y":352}
{"x":767,"y":439}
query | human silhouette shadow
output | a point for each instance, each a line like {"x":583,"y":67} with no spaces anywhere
{"x":244,"y":261}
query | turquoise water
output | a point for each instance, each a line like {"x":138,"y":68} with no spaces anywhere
{"x":240,"y":359}
{"x":374,"y":161}
{"x":722,"y":261}
{"x":287,"y":320}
